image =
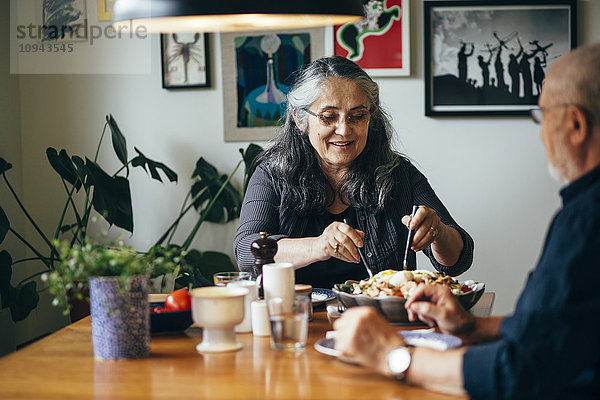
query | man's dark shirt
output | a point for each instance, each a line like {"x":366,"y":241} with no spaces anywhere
{"x":550,"y":347}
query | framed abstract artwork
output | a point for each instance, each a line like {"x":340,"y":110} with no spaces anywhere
{"x":258,"y":71}
{"x":380,"y":43}
{"x":185,"y":60}
{"x":491,"y":57}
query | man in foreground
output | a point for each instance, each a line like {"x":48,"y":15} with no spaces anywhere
{"x":550,"y":346}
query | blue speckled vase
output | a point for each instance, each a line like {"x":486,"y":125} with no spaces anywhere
{"x":120,"y":321}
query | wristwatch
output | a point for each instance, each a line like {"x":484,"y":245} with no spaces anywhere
{"x":398,"y":361}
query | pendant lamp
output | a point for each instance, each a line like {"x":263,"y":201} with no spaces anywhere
{"x":233,"y":15}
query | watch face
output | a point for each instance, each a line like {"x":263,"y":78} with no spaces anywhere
{"x":399,"y":360}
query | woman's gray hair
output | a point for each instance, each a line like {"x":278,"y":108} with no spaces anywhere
{"x":294,"y":163}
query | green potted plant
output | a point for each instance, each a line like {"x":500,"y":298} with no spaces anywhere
{"x":118,"y":280}
{"x":89,"y":187}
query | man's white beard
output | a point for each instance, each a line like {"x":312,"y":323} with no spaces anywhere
{"x":557,"y":175}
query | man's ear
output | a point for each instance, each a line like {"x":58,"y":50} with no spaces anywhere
{"x":298,"y":121}
{"x":578,"y":126}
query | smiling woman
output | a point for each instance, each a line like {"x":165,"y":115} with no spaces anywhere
{"x":332,"y":162}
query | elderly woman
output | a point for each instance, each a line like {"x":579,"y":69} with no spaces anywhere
{"x":332,"y":162}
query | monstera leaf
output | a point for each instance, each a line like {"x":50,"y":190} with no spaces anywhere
{"x":63,"y":165}
{"x":249,"y":155}
{"x":23,"y":299}
{"x":118,"y":140}
{"x":4,"y":225}
{"x":5,"y":275}
{"x":112,"y":196}
{"x":201,"y":266}
{"x":208,"y":182}
{"x":4,"y":165}
{"x":153,"y":166}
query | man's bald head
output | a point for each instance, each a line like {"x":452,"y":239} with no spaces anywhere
{"x":575,"y":78}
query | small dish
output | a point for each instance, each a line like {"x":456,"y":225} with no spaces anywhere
{"x":169,"y":321}
{"x":320,"y":296}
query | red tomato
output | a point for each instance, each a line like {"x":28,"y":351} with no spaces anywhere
{"x":178,"y":300}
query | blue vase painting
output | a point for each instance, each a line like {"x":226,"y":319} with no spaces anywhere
{"x":120,"y":318}
{"x":265,"y":68}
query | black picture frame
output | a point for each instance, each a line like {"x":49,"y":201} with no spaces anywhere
{"x":503,"y":36}
{"x":185,"y":60}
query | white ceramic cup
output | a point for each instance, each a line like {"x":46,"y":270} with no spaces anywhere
{"x":218,"y":309}
{"x":278,"y":281}
{"x":246,"y":324}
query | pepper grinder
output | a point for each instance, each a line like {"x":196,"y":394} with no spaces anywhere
{"x":263,"y":249}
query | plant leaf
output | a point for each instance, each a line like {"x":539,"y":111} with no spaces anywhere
{"x":205,"y":171}
{"x":192,"y":275}
{"x":203,"y":266}
{"x":249,"y":155}
{"x":112,"y":196}
{"x":214,"y":261}
{"x":142,"y":161}
{"x":227,"y":206}
{"x":80,"y":169}
{"x":23,"y":299}
{"x":63,"y":165}
{"x":4,"y":225}
{"x":4,"y":165}
{"x":118,"y":140}
{"x":5,"y":275}
{"x":231,"y":200}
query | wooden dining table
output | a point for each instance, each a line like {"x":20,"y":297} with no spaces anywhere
{"x":62,"y":366}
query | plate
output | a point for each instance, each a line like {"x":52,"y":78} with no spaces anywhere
{"x":417,"y":337}
{"x":320,"y":296}
{"x":327,"y":346}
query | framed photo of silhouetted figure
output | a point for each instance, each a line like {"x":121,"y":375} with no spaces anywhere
{"x":491,"y":57}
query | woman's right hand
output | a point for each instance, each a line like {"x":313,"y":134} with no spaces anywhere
{"x":338,"y":240}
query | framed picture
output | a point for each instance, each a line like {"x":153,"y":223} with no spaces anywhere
{"x":105,"y":10}
{"x":490,"y":57}
{"x":185,"y":60}
{"x":63,"y":20}
{"x":258,"y":71}
{"x":380,"y":42}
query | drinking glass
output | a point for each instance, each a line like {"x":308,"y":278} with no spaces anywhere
{"x":288,"y":329}
{"x":223,"y":278}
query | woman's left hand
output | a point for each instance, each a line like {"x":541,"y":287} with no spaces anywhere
{"x":427,"y":227}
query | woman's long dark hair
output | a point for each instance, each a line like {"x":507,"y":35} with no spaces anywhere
{"x":293,"y":161}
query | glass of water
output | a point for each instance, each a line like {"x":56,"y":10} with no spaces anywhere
{"x":289,"y":327}
{"x":223,"y":278}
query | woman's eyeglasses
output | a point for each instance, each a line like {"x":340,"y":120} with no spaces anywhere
{"x":331,"y":118}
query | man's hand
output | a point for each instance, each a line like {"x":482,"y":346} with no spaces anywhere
{"x":364,"y":335}
{"x":436,"y":305}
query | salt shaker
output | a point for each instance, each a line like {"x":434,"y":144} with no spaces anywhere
{"x":263,"y":249}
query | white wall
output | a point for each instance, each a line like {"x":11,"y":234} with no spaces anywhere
{"x":490,"y":172}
